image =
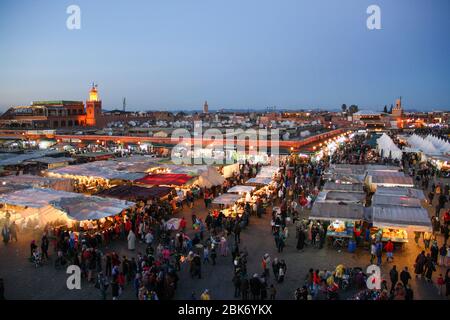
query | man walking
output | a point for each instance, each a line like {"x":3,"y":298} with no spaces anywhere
{"x":393,"y":274}
{"x":13,"y":231}
{"x":405,"y":276}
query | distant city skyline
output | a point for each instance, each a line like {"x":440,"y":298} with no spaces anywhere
{"x":174,"y":55}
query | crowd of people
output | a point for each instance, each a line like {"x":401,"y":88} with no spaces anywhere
{"x":154,"y":273}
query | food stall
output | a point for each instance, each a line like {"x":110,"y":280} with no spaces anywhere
{"x":393,"y":222}
{"x":93,"y":177}
{"x":131,"y":192}
{"x":166,"y":179}
{"x":228,"y":204}
{"x":38,"y":207}
{"x":259,"y":181}
{"x":29,"y":181}
{"x":342,"y":216}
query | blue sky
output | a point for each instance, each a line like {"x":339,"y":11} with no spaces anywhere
{"x":174,"y":54}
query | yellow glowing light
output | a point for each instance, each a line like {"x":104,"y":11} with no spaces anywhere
{"x":93,"y":95}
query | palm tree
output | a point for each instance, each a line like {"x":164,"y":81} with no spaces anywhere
{"x":353,"y":109}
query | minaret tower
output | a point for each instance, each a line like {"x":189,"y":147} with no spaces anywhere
{"x":205,"y":107}
{"x":93,"y":107}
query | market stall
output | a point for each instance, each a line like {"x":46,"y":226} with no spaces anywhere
{"x":165,"y":179}
{"x":241,"y":189}
{"x":50,"y":163}
{"x":334,"y":196}
{"x":30,"y":181}
{"x":259,"y":181}
{"x":132,"y":192}
{"x":210,"y":178}
{"x":84,"y":208}
{"x":228,"y":204}
{"x":38,"y":207}
{"x":343,"y":218}
{"x":268,"y":171}
{"x":227,"y":199}
{"x":389,"y":180}
{"x":393,"y":200}
{"x":94,"y":177}
{"x":347,"y":187}
{"x":393,"y":222}
{"x":230,"y":170}
{"x":402,"y":192}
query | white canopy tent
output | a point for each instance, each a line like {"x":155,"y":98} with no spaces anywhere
{"x":424,"y":145}
{"x":440,"y":144}
{"x":47,"y":205}
{"x":230,"y":170}
{"x":387,"y":148}
{"x":241,"y":189}
{"x":268,"y":171}
{"x":91,"y":207}
{"x":227,"y":199}
{"x":30,"y":181}
{"x":95,"y":170}
{"x":259,"y":180}
{"x":210,"y":178}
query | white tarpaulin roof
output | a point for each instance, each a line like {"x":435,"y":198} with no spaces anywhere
{"x":227,"y":199}
{"x":347,"y":187}
{"x":90,"y":207}
{"x":42,"y":216}
{"x":241,"y":189}
{"x":380,"y":199}
{"x":35,"y":197}
{"x":38,"y":181}
{"x":98,"y":169}
{"x":338,"y":196}
{"x":268,"y":171}
{"x":194,"y":170}
{"x":77,"y":206}
{"x":392,"y":181}
{"x":340,"y":211}
{"x":230,"y":169}
{"x":401,"y":217}
{"x":260,"y":180}
{"x":210,"y":178}
{"x":18,"y":159}
{"x":399,"y":191}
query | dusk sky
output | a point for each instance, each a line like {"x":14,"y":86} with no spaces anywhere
{"x":175,"y":54}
